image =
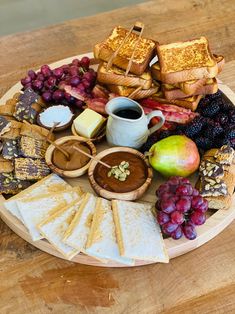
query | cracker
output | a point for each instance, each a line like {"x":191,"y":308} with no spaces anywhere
{"x":5,"y":125}
{"x":10,"y":185}
{"x":14,"y":131}
{"x":30,"y":169}
{"x":35,"y":131}
{"x":5,"y":165}
{"x":34,"y":148}
{"x":10,"y":148}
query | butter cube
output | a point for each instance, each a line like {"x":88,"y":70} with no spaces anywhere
{"x":88,"y":123}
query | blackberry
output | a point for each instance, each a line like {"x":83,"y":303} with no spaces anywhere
{"x":231,"y":115}
{"x":203,"y":143}
{"x":230,"y":134}
{"x":194,"y":127}
{"x":215,"y":95}
{"x":165,"y":134}
{"x":203,"y":102}
{"x":148,"y":144}
{"x":211,"y":109}
{"x":217,"y":129}
{"x":232,"y":143}
{"x":226,"y":105}
{"x":220,"y":141}
{"x":222,"y":118}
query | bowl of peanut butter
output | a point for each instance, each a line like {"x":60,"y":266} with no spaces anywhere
{"x":65,"y":157}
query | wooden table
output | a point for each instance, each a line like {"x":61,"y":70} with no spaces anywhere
{"x":202,"y":281}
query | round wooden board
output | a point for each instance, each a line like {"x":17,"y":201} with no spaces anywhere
{"x":217,"y":222}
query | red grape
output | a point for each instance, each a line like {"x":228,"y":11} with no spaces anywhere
{"x":37,"y":84}
{"x":167,"y":206}
{"x":185,"y":181}
{"x":198,"y":218}
{"x":73,"y":70}
{"x":32,"y":74}
{"x":58,"y":72}
{"x":85,"y":62}
{"x":177,"y":234}
{"x":203,"y":207}
{"x":184,"y":204}
{"x":182,"y":190}
{"x":45,"y":70}
{"x":177,"y":217}
{"x":76,"y":62}
{"x":26,"y":80}
{"x":46,"y":96}
{"x":40,"y":77}
{"x":162,"y":217}
{"x":174,"y":180}
{"x":51,"y":81}
{"x":162,"y":189}
{"x":28,"y":85}
{"x":189,"y":231}
{"x":79,"y":103}
{"x":195,"y":192}
{"x":197,"y":201}
{"x":169,"y":227}
{"x":58,"y":95}
{"x":74,"y":81}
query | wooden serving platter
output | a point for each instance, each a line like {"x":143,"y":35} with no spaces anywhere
{"x":216,"y":222}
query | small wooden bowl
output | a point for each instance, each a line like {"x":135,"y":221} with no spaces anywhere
{"x":68,"y":173}
{"x":127,"y":196}
{"x":58,"y":128}
{"x":99,"y":138}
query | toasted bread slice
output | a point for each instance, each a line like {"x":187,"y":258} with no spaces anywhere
{"x":143,"y":53}
{"x":184,"y":61}
{"x":138,"y":233}
{"x":189,"y":102}
{"x":102,"y":242}
{"x":127,"y":91}
{"x":171,"y":92}
{"x":49,"y":184}
{"x":54,"y":227}
{"x":188,"y":87}
{"x":116,"y":76}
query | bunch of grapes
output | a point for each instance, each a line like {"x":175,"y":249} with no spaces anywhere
{"x":180,"y":208}
{"x":50,"y":83}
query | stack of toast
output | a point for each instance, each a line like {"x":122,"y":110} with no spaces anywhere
{"x":124,"y":58}
{"x":186,"y":71}
{"x":74,"y":222}
{"x":23,"y":145}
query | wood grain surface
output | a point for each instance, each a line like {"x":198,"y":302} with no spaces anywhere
{"x":202,"y":281}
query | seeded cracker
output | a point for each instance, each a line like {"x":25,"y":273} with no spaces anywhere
{"x":5,"y":125}
{"x":30,"y":169}
{"x":10,"y":148}
{"x":225,"y":155}
{"x":211,"y":169}
{"x":30,"y":147}
{"x":27,"y":107}
{"x":10,"y":185}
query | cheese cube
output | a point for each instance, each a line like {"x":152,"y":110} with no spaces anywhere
{"x":88,"y":123}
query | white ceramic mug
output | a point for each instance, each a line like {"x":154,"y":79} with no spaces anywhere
{"x":129,"y":132}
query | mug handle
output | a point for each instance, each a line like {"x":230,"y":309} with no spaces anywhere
{"x":159,"y":114}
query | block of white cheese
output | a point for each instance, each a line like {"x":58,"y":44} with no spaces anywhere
{"x":88,"y":123}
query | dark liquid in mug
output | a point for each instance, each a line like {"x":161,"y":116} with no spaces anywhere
{"x":128,"y":114}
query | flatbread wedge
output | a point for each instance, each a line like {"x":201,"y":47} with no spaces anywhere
{"x":102,"y":242}
{"x":78,"y":231}
{"x":49,"y":184}
{"x":53,"y":228}
{"x":36,"y":209}
{"x":138,"y":233}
